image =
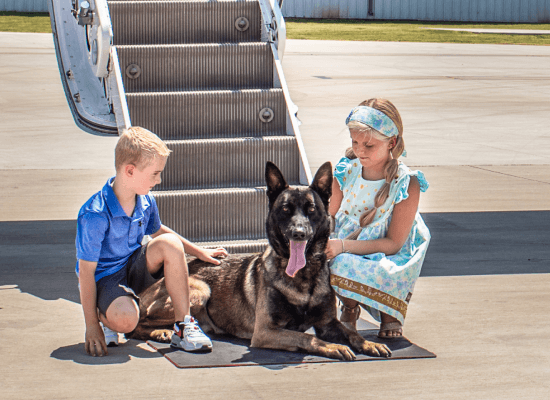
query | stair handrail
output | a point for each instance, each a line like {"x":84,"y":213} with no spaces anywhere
{"x":83,"y":39}
{"x":274,"y":28}
{"x":274,"y":32}
{"x":114,"y":90}
{"x":96,"y":20}
{"x":103,"y":57}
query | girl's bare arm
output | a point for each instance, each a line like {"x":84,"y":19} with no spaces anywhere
{"x":336,"y":198}
{"x":398,"y":231}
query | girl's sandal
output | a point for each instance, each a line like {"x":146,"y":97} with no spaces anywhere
{"x":349,"y":316}
{"x":390,"y":326}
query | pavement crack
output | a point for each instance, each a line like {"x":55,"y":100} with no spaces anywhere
{"x":510,"y":175}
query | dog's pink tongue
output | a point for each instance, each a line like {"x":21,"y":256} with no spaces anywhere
{"x":297,"y":259}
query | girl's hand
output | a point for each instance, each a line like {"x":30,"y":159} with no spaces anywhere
{"x":334,"y":247}
{"x":209,"y":254}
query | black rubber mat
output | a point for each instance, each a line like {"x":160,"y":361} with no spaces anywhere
{"x":234,"y":352}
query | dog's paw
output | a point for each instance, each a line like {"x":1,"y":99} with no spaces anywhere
{"x":339,"y":352}
{"x":375,"y":349}
{"x":161,"y":335}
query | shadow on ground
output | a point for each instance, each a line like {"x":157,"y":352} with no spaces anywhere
{"x":39,"y":256}
{"x":487,"y":243}
{"x":117,"y":355}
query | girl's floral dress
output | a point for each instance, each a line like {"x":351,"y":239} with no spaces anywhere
{"x":380,"y":282}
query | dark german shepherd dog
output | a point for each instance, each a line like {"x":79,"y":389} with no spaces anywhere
{"x":273,"y":297}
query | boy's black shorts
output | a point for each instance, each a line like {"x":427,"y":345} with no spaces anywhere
{"x":130,"y":280}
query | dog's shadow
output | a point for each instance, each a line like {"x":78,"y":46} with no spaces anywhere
{"x":117,"y":355}
{"x":240,"y":352}
{"x":229,"y":351}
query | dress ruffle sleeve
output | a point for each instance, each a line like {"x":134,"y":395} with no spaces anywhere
{"x":340,"y":170}
{"x":405,"y":179}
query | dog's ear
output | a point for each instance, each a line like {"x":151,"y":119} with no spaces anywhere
{"x":322,"y":183}
{"x":275,"y":180}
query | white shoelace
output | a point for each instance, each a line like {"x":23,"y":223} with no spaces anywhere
{"x":192,"y":329}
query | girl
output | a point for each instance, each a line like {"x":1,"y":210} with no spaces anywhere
{"x":380,"y":239}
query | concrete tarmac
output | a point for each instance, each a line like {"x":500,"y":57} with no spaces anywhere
{"x":476,"y":122}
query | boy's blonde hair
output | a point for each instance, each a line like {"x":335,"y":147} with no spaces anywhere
{"x":139,"y":147}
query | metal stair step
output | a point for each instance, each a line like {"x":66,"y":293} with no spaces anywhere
{"x":211,"y":163}
{"x":238,"y":246}
{"x":215,"y":214}
{"x":169,"y":22}
{"x":209,"y":114}
{"x":168,"y":68}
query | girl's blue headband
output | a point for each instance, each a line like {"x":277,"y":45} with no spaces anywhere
{"x":375,"y":119}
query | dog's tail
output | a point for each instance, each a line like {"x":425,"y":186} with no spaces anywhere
{"x":199,"y":293}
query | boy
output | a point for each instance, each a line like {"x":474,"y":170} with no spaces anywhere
{"x":112,"y":265}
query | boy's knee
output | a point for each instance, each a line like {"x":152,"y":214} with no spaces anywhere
{"x":170,"y":243}
{"x":122,"y":315}
{"x":125,"y":324}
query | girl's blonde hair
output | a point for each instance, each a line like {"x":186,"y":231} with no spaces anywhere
{"x":139,"y":147}
{"x":391,"y":168}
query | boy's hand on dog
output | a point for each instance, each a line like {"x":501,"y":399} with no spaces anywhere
{"x":95,"y":341}
{"x":209,"y":254}
{"x":334,"y":247}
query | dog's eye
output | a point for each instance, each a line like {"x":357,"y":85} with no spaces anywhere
{"x":285,"y":209}
{"x":311,"y":209}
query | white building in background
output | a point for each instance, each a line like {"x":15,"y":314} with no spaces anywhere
{"x":524,"y":11}
{"x":24,"y":5}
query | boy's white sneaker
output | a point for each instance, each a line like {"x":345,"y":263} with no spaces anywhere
{"x":111,"y":337}
{"x":189,"y":336}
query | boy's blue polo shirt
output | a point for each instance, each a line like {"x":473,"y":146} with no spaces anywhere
{"x":107,"y":235}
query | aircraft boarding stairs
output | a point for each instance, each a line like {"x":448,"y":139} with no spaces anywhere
{"x":206,"y":77}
